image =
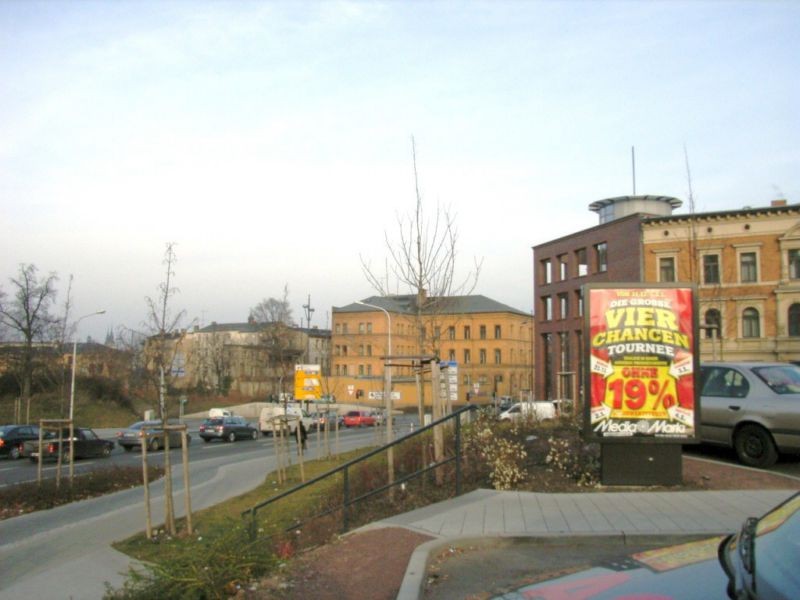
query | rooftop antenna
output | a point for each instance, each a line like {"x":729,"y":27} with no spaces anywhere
{"x":633,"y":168}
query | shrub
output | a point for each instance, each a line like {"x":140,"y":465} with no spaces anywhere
{"x":215,"y":565}
{"x":498,"y":447}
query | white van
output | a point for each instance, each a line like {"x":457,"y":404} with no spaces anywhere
{"x":218,"y":413}
{"x":540,"y":411}
{"x":268,"y":419}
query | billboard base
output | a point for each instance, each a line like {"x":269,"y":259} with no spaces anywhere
{"x":641,"y":464}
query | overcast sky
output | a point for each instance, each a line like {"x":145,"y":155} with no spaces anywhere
{"x":271,"y":141}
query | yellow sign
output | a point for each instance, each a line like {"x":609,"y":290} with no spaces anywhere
{"x":307,"y":383}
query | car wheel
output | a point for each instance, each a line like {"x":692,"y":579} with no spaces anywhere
{"x":754,"y":446}
{"x":254,"y":435}
{"x":14,"y":454}
{"x":206,"y":440}
{"x":231,"y":437}
{"x":153,"y":446}
{"x":106,"y":451}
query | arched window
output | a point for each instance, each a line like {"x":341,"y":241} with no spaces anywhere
{"x":751,"y":327}
{"x":713,"y":319}
{"x":794,"y":320}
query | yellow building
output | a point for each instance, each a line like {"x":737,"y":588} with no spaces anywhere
{"x":489,"y":342}
{"x":746,"y":264}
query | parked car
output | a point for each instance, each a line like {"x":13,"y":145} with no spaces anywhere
{"x":13,"y":437}
{"x":228,"y":429}
{"x":272,"y":415}
{"x":131,"y":438}
{"x":321,"y":420}
{"x":379,"y":417}
{"x":530,"y":410}
{"x":760,"y":561}
{"x":358,"y":418}
{"x":86,"y":443}
{"x":752,"y":407}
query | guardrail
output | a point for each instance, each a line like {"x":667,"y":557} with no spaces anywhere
{"x":347,"y":502}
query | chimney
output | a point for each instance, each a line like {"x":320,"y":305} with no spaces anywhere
{"x":779,"y":202}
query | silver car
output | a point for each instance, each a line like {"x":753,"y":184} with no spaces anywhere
{"x":752,"y":407}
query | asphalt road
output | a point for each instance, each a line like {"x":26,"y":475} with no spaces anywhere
{"x":20,"y":471}
{"x":65,"y":552}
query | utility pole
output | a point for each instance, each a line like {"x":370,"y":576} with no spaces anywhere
{"x":309,"y":311}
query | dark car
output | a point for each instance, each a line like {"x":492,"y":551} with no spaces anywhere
{"x":131,"y":438}
{"x":752,"y":407}
{"x":13,"y":437}
{"x":228,"y":429}
{"x":86,"y":444}
{"x":760,"y":561}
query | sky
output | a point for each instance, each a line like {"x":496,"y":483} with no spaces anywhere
{"x":271,"y":141}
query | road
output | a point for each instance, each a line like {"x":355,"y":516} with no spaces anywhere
{"x":65,"y":552}
{"x":21,"y":471}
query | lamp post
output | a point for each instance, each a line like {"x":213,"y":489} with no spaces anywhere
{"x":387,"y":384}
{"x":72,"y":392}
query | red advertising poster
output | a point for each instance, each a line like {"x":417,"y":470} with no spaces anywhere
{"x":641,"y":363}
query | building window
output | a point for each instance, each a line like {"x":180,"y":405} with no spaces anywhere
{"x":337,"y":350}
{"x":482,"y":332}
{"x":336,"y":369}
{"x":713,"y":323}
{"x":498,"y":332}
{"x":369,"y":327}
{"x":563,"y":306}
{"x":748,"y":267}
{"x":362,"y":328}
{"x":751,"y":328}
{"x":579,"y":302}
{"x":711,"y":269}
{"x":498,"y":356}
{"x":547,"y":271}
{"x":601,"y":255}
{"x":547,"y":305}
{"x":451,"y":355}
{"x":344,"y":350}
{"x":437,"y":332}
{"x":338,"y":328}
{"x":794,"y":320}
{"x":482,"y":356}
{"x":582,"y":262}
{"x":361,"y":370}
{"x":344,"y":369}
{"x":361,"y":349}
{"x":369,"y":349}
{"x":467,"y":332}
{"x":451,"y":333}
{"x":794,"y":264}
{"x":344,"y":327}
{"x":369,"y":370}
{"x":562,"y":267}
{"x":467,"y":356}
{"x":666,"y":268}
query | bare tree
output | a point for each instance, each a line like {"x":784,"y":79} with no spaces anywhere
{"x":272,"y":310}
{"x":278,"y":338}
{"x":423,"y":260}
{"x":27,"y":316}
{"x":163,"y":346}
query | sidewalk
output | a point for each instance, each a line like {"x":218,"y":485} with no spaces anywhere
{"x":488,"y":513}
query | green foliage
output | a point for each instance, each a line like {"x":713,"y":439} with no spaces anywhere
{"x":208,"y":565}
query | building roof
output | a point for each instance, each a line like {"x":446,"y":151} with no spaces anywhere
{"x":254,"y":327}
{"x":747,"y":211}
{"x":406,"y":304}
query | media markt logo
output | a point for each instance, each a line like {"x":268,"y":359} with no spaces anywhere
{"x":656,"y":428}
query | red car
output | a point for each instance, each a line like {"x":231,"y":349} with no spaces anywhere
{"x":358,"y":418}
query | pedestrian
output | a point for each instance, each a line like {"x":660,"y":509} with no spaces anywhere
{"x":303,"y":434}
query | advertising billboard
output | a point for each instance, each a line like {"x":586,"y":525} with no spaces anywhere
{"x":642,"y":360}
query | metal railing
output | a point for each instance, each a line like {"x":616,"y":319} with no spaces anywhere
{"x":348,"y":501}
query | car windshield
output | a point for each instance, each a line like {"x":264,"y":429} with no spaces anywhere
{"x":4,"y":429}
{"x":782,"y":379}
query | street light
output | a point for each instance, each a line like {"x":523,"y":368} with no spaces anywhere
{"x":74,"y":359}
{"x":387,"y":369}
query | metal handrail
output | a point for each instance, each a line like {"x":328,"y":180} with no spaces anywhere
{"x":251,"y":512}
